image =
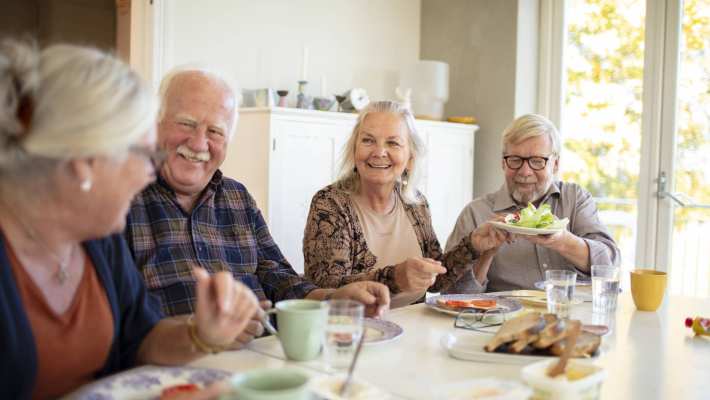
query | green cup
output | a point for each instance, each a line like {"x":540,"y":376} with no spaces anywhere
{"x":270,"y":384}
{"x":301,"y":327}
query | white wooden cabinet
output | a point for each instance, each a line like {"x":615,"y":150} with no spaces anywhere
{"x":285,"y":155}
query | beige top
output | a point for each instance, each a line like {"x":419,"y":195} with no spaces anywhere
{"x":391,"y":239}
{"x":520,"y":264}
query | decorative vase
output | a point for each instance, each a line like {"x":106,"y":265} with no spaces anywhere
{"x":304,"y":101}
{"x":282,"y":97}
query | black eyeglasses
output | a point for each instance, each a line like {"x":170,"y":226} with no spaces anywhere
{"x":155,"y":156}
{"x":535,"y":162}
{"x":475,"y":320}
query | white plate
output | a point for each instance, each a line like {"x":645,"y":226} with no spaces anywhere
{"x":519,"y":230}
{"x":582,"y":292}
{"x":584,"y":282}
{"x":380,"y":331}
{"x":482,"y":388}
{"x":507,"y":305}
{"x":147,"y":382}
{"x":467,"y":345}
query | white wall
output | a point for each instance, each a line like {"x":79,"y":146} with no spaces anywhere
{"x":491,"y":48}
{"x":353,"y":43}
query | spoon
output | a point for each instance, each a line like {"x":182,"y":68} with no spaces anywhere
{"x":571,"y":341}
{"x":348,"y":379}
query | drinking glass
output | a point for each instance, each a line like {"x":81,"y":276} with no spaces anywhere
{"x":342,"y":332}
{"x":605,"y":288}
{"x":559,"y":288}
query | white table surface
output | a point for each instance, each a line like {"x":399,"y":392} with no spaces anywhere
{"x":647,"y":355}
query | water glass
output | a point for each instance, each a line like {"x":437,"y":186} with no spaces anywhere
{"x":559,"y":288}
{"x":342,"y":332}
{"x":605,"y":288}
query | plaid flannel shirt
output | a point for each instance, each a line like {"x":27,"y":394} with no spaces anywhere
{"x":225,"y":231}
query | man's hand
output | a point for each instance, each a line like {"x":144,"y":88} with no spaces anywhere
{"x":570,"y":246}
{"x":417,"y":274}
{"x":254,"y":328}
{"x":553,"y":242}
{"x":225,"y":307}
{"x":375,"y":296}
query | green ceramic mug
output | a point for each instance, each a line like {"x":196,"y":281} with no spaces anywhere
{"x":270,"y":384}
{"x":301,"y":327}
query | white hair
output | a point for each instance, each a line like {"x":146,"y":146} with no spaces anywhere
{"x":348,"y":178}
{"x":82,"y":102}
{"x":530,"y":126}
{"x":207,"y":71}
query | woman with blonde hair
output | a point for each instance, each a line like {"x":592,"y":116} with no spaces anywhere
{"x":373,"y":223}
{"x":77,"y":143}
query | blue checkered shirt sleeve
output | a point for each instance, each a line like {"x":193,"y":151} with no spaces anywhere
{"x":225,"y":231}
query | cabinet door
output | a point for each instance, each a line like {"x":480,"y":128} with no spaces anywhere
{"x":449,"y":181}
{"x":303,"y":160}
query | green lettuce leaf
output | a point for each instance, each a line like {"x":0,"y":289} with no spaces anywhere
{"x":532,"y":217}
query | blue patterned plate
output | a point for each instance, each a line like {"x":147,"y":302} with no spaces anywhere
{"x":504,"y":305}
{"x":146,"y":382}
{"x":380,"y":331}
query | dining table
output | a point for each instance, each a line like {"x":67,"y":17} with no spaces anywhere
{"x":646,"y":355}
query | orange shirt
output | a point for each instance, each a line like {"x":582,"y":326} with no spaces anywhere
{"x":71,"y":347}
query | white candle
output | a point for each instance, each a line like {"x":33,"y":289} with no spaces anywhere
{"x":323,"y":90}
{"x":304,"y":65}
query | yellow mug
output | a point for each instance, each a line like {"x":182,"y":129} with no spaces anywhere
{"x":647,"y":288}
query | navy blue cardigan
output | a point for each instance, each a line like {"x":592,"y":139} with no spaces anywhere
{"x":135,"y":312}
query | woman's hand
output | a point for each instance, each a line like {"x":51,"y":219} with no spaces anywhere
{"x":487,"y":237}
{"x":417,"y":274}
{"x":225,"y":308}
{"x":375,"y":296}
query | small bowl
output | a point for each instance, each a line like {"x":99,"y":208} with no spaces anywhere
{"x":323,"y":103}
{"x":581,"y":380}
{"x":482,"y":388}
{"x":327,"y":387}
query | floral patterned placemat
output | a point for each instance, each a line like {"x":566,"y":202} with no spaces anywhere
{"x":146,"y":383}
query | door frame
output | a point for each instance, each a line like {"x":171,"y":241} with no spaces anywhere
{"x":148,"y":51}
{"x":654,"y":225}
{"x":672,"y":24}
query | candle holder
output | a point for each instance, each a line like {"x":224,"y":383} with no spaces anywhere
{"x":282,"y":97}
{"x":323,"y":103}
{"x":304,"y":101}
{"x":340,"y":99}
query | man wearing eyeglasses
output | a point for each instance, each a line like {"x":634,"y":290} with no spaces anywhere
{"x":530,"y":161}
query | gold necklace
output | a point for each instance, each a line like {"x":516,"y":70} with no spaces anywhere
{"x":62,"y":275}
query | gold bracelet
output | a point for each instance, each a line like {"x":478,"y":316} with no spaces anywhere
{"x":197,"y":342}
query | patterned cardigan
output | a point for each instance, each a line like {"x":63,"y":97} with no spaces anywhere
{"x":336,"y":253}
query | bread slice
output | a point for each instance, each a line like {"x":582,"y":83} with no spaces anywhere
{"x":515,"y":329}
{"x":553,"y":332}
{"x":587,"y":344}
{"x":522,"y":343}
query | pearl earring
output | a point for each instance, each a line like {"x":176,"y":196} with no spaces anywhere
{"x":85,"y":185}
{"x":405,"y":178}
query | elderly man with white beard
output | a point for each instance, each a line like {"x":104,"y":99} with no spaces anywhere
{"x":530,"y":161}
{"x":194,"y":216}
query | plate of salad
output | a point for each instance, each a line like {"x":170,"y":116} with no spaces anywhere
{"x":532,"y":221}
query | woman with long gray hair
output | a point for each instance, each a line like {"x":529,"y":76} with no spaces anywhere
{"x":373,"y":223}
{"x":77,"y":143}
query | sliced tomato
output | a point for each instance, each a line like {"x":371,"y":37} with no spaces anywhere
{"x":483,"y":303}
{"x":173,"y":391}
{"x":458,"y":303}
